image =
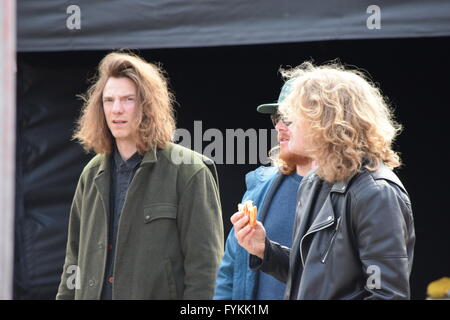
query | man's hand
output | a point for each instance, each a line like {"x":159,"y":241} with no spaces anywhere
{"x":250,"y":238}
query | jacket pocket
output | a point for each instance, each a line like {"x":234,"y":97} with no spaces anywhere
{"x":159,"y":211}
{"x":333,"y":238}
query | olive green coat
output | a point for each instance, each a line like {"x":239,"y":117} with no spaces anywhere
{"x":170,"y":234}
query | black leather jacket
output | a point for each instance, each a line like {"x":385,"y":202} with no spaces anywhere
{"x":359,"y":245}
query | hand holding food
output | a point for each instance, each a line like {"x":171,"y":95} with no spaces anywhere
{"x":249,"y":210}
{"x":249,"y":233}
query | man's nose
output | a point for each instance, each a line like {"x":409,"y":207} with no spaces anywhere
{"x":117,"y":106}
{"x":280,"y":126}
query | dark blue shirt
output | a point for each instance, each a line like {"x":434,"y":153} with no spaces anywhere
{"x":122,"y":173}
{"x":278,"y":223}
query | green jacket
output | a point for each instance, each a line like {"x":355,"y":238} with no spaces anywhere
{"x":170,"y":234}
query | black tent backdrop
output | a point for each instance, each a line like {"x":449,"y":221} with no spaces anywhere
{"x":220,"y":86}
{"x":43,"y":24}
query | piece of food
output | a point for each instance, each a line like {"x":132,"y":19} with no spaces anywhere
{"x":249,"y":210}
{"x":439,"y":289}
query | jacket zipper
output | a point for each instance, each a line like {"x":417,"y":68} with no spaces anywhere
{"x":310,"y":232}
{"x":338,"y":222}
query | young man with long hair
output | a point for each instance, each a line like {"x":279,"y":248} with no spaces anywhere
{"x":142,"y":226}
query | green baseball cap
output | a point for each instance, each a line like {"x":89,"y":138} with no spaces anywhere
{"x":272,"y":107}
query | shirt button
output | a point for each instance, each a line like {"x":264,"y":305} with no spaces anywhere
{"x":91,"y":283}
{"x":111,"y":280}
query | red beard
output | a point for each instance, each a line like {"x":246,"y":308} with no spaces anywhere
{"x":292,"y":159}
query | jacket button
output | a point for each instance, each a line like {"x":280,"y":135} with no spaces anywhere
{"x":100,"y":245}
{"x":91,"y":283}
{"x":111,"y":279}
{"x":147,"y":217}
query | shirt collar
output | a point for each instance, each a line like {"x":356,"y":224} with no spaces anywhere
{"x":131,"y":163}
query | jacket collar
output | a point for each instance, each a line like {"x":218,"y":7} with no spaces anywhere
{"x":149,"y":157}
{"x":387,"y":174}
{"x":102,"y":181}
{"x":105,"y":163}
{"x":341,"y":186}
{"x":383,"y":172}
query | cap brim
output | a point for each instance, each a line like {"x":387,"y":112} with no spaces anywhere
{"x":267,"y":108}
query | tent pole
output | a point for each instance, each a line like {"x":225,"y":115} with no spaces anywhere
{"x":7,"y":140}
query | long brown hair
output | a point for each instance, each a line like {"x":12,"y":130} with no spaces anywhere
{"x":156,"y":124}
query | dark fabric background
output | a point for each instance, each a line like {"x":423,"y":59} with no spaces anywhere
{"x":196,"y":23}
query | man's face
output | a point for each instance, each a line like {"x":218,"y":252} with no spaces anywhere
{"x":298,"y":142}
{"x":284,"y":135}
{"x":119,"y":105}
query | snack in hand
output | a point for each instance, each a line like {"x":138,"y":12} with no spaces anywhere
{"x":249,"y":210}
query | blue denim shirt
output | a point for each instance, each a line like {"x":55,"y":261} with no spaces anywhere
{"x":235,"y":280}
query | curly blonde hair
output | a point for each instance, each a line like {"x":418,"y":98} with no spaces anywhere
{"x":350,"y":124}
{"x":156,"y":123}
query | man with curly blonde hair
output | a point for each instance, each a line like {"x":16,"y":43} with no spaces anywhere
{"x":141,"y":226}
{"x":354,"y":232}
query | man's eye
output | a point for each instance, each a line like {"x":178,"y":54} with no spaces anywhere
{"x":130,"y":99}
{"x":286,"y":121}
